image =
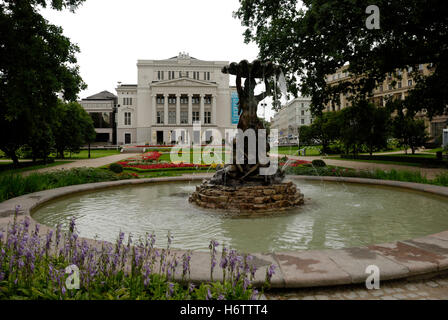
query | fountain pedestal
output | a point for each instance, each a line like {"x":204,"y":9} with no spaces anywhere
{"x":248,"y":198}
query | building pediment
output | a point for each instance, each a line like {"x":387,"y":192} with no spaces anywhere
{"x":183,"y":82}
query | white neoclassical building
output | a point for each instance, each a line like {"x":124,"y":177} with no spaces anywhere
{"x":290,"y":117}
{"x":172,"y":94}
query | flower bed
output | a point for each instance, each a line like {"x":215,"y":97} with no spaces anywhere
{"x":296,"y":163}
{"x":159,"y":166}
{"x":33,"y":266}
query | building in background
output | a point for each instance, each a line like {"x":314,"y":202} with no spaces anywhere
{"x":102,"y":108}
{"x":388,"y":89}
{"x":174,"y":94}
{"x":290,"y":117}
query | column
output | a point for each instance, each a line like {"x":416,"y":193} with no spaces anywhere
{"x":165,"y":109}
{"x":154,"y":110}
{"x":214,"y":109}
{"x":201,"y":112}
{"x":190,"y":109}
{"x":178,"y":109}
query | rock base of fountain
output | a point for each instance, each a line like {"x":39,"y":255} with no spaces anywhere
{"x":248,"y":198}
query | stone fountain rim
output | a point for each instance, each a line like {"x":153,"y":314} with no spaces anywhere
{"x":397,"y":260}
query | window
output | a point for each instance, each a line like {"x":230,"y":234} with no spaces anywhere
{"x":127,"y":118}
{"x":184,"y":100}
{"x":399,"y":84}
{"x":160,"y":75}
{"x":160,"y":99}
{"x":391,"y":87}
{"x":207,"y":76}
{"x":172,"y":100}
{"x":180,"y":74}
{"x":409,"y":83}
{"x":159,"y":117}
{"x":127,"y":101}
{"x":195,"y":100}
{"x":303,"y":112}
{"x":188,"y":74}
{"x":184,"y":117}
{"x":172,"y":117}
{"x":196,"y":75}
{"x":207,"y":100}
{"x":303,"y":121}
{"x":420,"y":67}
{"x":196,"y":116}
{"x":207,"y":117}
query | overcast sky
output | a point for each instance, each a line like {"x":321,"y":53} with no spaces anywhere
{"x":114,"y":34}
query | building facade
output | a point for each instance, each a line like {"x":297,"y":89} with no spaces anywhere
{"x":102,"y":108}
{"x":170,"y":97}
{"x":395,"y":87}
{"x":290,"y":117}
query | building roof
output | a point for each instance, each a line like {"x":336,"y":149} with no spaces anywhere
{"x":103,"y":95}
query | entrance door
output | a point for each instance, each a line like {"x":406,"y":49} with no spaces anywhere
{"x":127,"y":138}
{"x":159,"y":137}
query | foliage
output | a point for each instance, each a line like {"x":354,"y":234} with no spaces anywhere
{"x":313,"y":40}
{"x":32,"y":266}
{"x":364,"y":124}
{"x":73,"y":128}
{"x":16,"y":185}
{"x":397,"y":175}
{"x":37,"y":61}
{"x":326,"y":129}
{"x":318,"y":163}
{"x":411,"y":133}
{"x":116,"y":167}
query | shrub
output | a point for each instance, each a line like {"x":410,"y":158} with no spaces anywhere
{"x":319,"y":163}
{"x":115,"y":167}
{"x":15,"y":185}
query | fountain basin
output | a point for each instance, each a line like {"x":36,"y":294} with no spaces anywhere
{"x":426,"y":254}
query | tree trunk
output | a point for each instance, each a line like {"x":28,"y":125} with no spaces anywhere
{"x":14,"y":159}
{"x":89,"y":150}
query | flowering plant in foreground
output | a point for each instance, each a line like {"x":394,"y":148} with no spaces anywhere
{"x":32,"y":266}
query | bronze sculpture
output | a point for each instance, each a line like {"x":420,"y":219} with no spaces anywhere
{"x":244,"y":173}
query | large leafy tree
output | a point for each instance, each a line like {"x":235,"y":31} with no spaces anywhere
{"x":36,"y":62}
{"x":73,"y":128}
{"x":311,"y":39}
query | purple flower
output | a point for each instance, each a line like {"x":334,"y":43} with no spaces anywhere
{"x":220,"y":297}
{"x":191,"y":288}
{"x":209,"y":295}
{"x":254,"y":294}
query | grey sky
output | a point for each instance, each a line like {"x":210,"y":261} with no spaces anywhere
{"x":114,"y":34}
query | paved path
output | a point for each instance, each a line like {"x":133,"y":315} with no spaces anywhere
{"x":430,"y":173}
{"x":432,"y":289}
{"x":95,"y":163}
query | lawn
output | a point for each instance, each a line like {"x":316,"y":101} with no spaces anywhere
{"x":293,"y":151}
{"x":30,"y":168}
{"x":410,"y":164}
{"x":94,"y":154}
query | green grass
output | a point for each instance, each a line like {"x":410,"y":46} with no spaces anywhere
{"x":435,"y":150}
{"x":15,"y":185}
{"x":293,"y":151}
{"x":396,"y":175}
{"x":94,"y":154}
{"x":409,"y":164}
{"x":30,"y":168}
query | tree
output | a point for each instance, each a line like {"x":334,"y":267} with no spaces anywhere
{"x":73,"y":128}
{"x":410,"y":132}
{"x":364,"y":125}
{"x":36,"y":62}
{"x":314,"y":40}
{"x":306,"y":135}
{"x":325,"y":129}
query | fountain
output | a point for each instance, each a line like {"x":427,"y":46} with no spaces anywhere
{"x":240,"y":186}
